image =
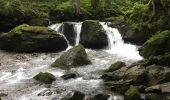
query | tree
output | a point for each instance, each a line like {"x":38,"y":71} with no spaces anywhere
{"x":95,"y":4}
{"x":107,"y":4}
{"x":77,"y":6}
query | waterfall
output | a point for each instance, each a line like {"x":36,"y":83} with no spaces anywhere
{"x":116,"y":44}
{"x":56,"y":27}
{"x":77,"y":29}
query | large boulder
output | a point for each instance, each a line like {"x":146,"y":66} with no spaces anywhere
{"x":157,"y":45}
{"x":72,"y":58}
{"x":120,"y":86}
{"x":157,"y":74}
{"x":115,"y":75}
{"x":138,"y":74}
{"x":162,"y":60}
{"x":46,"y":77}
{"x":93,"y":35}
{"x":25,"y":38}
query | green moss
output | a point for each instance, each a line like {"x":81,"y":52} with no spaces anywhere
{"x":46,"y":77}
{"x":132,"y":94}
{"x":156,"y":45}
{"x":163,"y":60}
{"x":116,"y":66}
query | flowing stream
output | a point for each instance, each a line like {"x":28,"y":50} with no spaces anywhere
{"x":17,"y":70}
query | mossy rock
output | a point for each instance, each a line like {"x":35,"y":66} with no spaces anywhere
{"x":25,"y":38}
{"x":46,"y":77}
{"x":93,"y":35}
{"x":162,"y":60}
{"x":157,"y":45}
{"x":72,"y":58}
{"x":116,"y":66}
{"x":132,"y":94}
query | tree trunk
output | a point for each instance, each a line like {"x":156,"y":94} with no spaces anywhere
{"x":77,"y":6}
{"x":95,"y":4}
{"x":107,"y":4}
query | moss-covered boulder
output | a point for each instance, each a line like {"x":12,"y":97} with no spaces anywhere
{"x":163,"y":60}
{"x":132,"y":94}
{"x":93,"y":35}
{"x":46,"y":77}
{"x":157,"y":45}
{"x":72,"y":58}
{"x":116,"y":66}
{"x":25,"y":38}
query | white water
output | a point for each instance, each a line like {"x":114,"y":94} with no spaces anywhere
{"x":56,"y":27}
{"x":16,"y":75}
{"x":116,"y":44}
{"x":77,"y":29}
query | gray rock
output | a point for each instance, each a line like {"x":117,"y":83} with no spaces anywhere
{"x":72,"y":58}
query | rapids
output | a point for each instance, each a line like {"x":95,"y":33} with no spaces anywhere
{"x":17,"y":70}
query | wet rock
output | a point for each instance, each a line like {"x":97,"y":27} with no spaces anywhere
{"x":141,"y":88}
{"x":93,"y":35}
{"x":46,"y":92}
{"x":159,"y":88}
{"x":46,"y":77}
{"x":76,"y":95}
{"x":25,"y":38}
{"x":154,"y":89}
{"x":156,"y":45}
{"x":120,"y":86}
{"x":138,"y":74}
{"x":69,"y":32}
{"x":155,"y":96}
{"x":69,"y":75}
{"x":157,"y":74}
{"x":115,"y":75}
{"x":72,"y":58}
{"x":101,"y":97}
{"x":116,"y":66}
{"x":162,"y":60}
{"x":132,"y":94}
{"x":3,"y":94}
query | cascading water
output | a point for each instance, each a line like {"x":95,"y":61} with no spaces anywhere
{"x":77,"y":29}
{"x":56,"y":27}
{"x":116,"y":44}
{"x":16,"y":75}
